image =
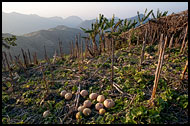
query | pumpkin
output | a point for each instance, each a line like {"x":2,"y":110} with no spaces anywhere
{"x":108,"y":103}
{"x":100,"y":98}
{"x":87,"y":103}
{"x":84,"y":93}
{"x":81,"y":108}
{"x":98,"y":106}
{"x":78,"y":115}
{"x":102,"y":111}
{"x":86,"y":111}
{"x":93,"y":96}
{"x":63,"y":93}
{"x":68,"y":96}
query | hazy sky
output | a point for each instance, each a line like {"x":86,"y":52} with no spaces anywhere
{"x":91,"y":10}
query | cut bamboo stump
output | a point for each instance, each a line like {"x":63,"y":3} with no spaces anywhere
{"x":185,"y":69}
{"x":158,"y":71}
{"x":171,"y":41}
{"x":183,"y":44}
{"x":161,"y":38}
{"x":143,"y":50}
{"x":112,"y":75}
{"x":185,"y":47}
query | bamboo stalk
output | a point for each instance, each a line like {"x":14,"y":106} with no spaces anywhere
{"x":183,"y":44}
{"x":24,"y":58}
{"x":153,"y":38}
{"x":158,"y":69}
{"x":29,"y":56}
{"x":10,"y":72}
{"x":161,"y":38}
{"x":185,"y":69}
{"x":112,"y":75}
{"x":46,"y":57}
{"x":82,"y":51}
{"x":35,"y":58}
{"x":11,"y":58}
{"x":27,"y":61}
{"x":171,"y":41}
{"x":185,"y":47}
{"x":143,"y":48}
{"x":60,"y":48}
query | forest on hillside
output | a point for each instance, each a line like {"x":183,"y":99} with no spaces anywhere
{"x":130,"y":75}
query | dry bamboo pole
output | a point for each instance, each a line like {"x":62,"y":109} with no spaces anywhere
{"x":29,"y":56}
{"x":24,"y":58}
{"x":27,"y":61}
{"x":171,"y":41}
{"x":158,"y":70}
{"x":11,"y":58}
{"x":9,"y":69}
{"x":185,"y":47}
{"x":112,"y":75}
{"x":82,"y":51}
{"x":185,"y":69}
{"x":35,"y":58}
{"x":86,"y":50}
{"x":153,"y":38}
{"x":60,"y":48}
{"x":45,"y":56}
{"x":161,"y":40}
{"x":72,"y":49}
{"x":143,"y":48}
{"x":183,"y":44}
{"x":77,"y":48}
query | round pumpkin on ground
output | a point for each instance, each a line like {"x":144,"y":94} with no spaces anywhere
{"x":84,"y":93}
{"x":78,"y":115}
{"x":86,"y":111}
{"x":100,"y":98}
{"x":81,"y":108}
{"x":108,"y":103}
{"x":68,"y":96}
{"x":63,"y":93}
{"x":93,"y":96}
{"x":87,"y":103}
{"x":102,"y":111}
{"x":98,"y":106}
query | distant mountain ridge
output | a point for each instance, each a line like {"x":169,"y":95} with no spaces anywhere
{"x":35,"y":41}
{"x":18,"y":24}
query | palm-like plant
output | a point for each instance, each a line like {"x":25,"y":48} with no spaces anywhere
{"x":159,"y":14}
{"x":141,"y":20}
{"x":92,"y":34}
{"x":7,"y":41}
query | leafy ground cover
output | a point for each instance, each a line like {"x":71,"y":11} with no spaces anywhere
{"x":32,"y":95}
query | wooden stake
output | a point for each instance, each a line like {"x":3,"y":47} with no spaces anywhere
{"x":143,"y":49}
{"x":29,"y":56}
{"x":183,"y":44}
{"x":185,"y":69}
{"x":185,"y":47}
{"x":171,"y":41}
{"x":158,"y":70}
{"x":11,"y":58}
{"x":161,"y":38}
{"x":112,"y":75}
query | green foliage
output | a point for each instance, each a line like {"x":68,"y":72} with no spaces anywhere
{"x":9,"y":41}
{"x":159,"y":14}
{"x":141,"y":20}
